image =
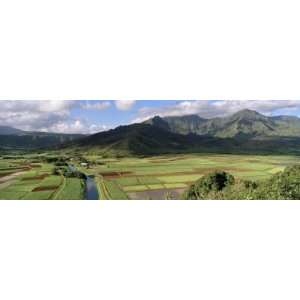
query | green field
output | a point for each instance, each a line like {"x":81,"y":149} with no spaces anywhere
{"x":73,"y":190}
{"x":29,"y":181}
{"x":130,"y":178}
{"x":160,"y":175}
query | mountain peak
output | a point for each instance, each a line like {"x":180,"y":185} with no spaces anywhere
{"x":7,"y":130}
{"x":156,"y":118}
{"x":248,"y":115}
{"x":158,"y":122}
{"x":248,"y":112}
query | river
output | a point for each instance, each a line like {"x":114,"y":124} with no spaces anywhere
{"x":91,"y":190}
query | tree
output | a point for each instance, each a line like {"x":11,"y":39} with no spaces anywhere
{"x":209,"y":184}
{"x":283,"y":185}
{"x":221,"y":185}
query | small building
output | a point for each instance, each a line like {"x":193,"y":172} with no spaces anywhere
{"x":84,"y":164}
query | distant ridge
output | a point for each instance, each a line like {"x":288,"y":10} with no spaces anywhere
{"x":6,"y":130}
{"x":182,"y":125}
{"x":245,"y":123}
{"x":12,"y":138}
{"x":246,"y":131}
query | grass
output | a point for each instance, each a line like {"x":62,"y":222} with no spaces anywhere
{"x":73,"y":190}
{"x":276,"y":170}
{"x":155,"y":186}
{"x":20,"y":187}
{"x":135,"y":188}
{"x":52,"y":180}
{"x":180,"y":178}
{"x":114,"y":191}
{"x":12,"y":195}
{"x":41,"y":195}
{"x":175,"y":185}
{"x":149,"y":180}
{"x":127,"y":181}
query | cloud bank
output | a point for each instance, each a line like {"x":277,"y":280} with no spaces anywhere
{"x":46,"y":115}
{"x":93,"y":105}
{"x":220,"y":108}
{"x":124,"y":104}
{"x":74,"y":116}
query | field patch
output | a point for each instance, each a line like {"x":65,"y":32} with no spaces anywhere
{"x":73,"y":190}
{"x":276,"y":170}
{"x":114,"y":191}
{"x":50,"y":181}
{"x":135,"y":188}
{"x":20,"y":188}
{"x":40,"y":195}
{"x":127,"y":181}
{"x":157,"y":194}
{"x":28,"y":182}
{"x":149,"y":180}
{"x":5,"y":173}
{"x":45,"y":188}
{"x":38,"y":177}
{"x":35,"y":166}
{"x":11,"y":195}
{"x":175,"y":185}
{"x":180,"y":178}
{"x":155,"y":186}
{"x":113,"y":174}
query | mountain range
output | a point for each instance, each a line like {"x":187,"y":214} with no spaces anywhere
{"x":245,"y":123}
{"x":13,"y":138}
{"x":246,"y":131}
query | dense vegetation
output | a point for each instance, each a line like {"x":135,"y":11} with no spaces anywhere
{"x":221,"y":185}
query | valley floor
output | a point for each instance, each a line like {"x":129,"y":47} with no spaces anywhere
{"x":159,"y":177}
{"x":23,"y":180}
{"x":167,"y":177}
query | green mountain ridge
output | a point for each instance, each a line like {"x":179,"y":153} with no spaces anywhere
{"x":245,"y":132}
{"x":12,"y":138}
{"x":245,"y":123}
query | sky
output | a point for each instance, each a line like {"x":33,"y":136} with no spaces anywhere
{"x":86,"y":116}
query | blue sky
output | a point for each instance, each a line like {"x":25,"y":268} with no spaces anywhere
{"x":112,"y":116}
{"x":86,"y":116}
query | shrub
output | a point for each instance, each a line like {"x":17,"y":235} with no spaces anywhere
{"x":209,"y":184}
{"x":220,"y":185}
{"x":56,"y":171}
{"x":283,"y":185}
{"x":74,"y":174}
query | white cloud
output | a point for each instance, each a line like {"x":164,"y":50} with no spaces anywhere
{"x":93,"y":105}
{"x":32,"y":115}
{"x":76,"y":126}
{"x":211,"y":109}
{"x":47,"y":116}
{"x":124,"y":104}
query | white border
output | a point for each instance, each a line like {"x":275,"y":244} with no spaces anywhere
{"x":63,"y":49}
{"x":165,"y":49}
{"x":149,"y":250}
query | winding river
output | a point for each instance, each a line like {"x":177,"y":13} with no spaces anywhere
{"x":91,"y":191}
